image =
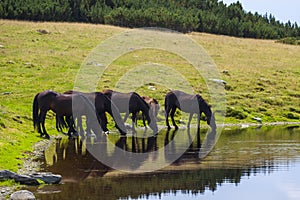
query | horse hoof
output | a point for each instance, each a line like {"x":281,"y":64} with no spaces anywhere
{"x":47,"y":137}
{"x":176,"y":128}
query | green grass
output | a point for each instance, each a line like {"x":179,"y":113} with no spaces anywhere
{"x":262,"y":76}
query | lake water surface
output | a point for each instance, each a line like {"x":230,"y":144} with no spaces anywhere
{"x":253,"y":163}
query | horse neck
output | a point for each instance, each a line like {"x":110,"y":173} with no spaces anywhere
{"x":204,"y":107}
{"x":144,"y":106}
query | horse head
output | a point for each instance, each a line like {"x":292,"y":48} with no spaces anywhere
{"x":210,"y":116}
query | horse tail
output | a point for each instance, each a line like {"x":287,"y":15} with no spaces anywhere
{"x":35,"y":112}
{"x":168,"y":101}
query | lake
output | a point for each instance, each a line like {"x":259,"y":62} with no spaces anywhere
{"x":249,"y":163}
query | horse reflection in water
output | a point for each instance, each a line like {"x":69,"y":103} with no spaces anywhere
{"x":75,"y":163}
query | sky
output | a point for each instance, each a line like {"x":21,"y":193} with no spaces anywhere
{"x":283,"y":10}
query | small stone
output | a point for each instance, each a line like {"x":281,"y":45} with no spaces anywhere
{"x":218,"y":81}
{"x":1,"y":46}
{"x":99,"y":65}
{"x":42,"y":31}
{"x":151,"y":88}
{"x":11,"y":62}
{"x":226,"y":72}
{"x":22,"y":195}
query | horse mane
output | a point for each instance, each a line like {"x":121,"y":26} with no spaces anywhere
{"x":203,"y":102}
{"x":142,"y":100}
{"x":155,"y":101}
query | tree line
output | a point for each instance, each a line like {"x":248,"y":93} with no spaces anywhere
{"x":211,"y":16}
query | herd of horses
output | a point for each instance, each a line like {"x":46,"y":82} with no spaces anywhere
{"x":71,"y":106}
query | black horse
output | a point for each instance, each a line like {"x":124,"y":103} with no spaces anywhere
{"x":61,"y":104}
{"x":102,"y":105}
{"x":71,"y":106}
{"x":193,"y":104}
{"x":132,"y":103}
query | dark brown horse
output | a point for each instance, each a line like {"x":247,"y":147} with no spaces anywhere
{"x":72,"y":106}
{"x":154,"y":108}
{"x":132,"y":103}
{"x":61,"y":104}
{"x":193,"y":104}
{"x":102,"y":105}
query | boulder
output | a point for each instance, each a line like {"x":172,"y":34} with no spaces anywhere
{"x":25,"y":180}
{"x":31,"y":179}
{"x":5,"y":175}
{"x":22,"y":195}
{"x":47,"y":177}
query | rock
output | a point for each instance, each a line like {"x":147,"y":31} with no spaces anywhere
{"x":225,"y":72}
{"x":25,"y":180}
{"x":6,"y":93}
{"x":258,"y":119}
{"x":1,"y":46}
{"x":47,"y":177}
{"x":5,"y":175}
{"x":11,"y":62}
{"x":99,"y":65}
{"x":22,"y":195}
{"x":151,"y":88}
{"x":42,"y":31}
{"x":31,"y":179}
{"x":218,"y":81}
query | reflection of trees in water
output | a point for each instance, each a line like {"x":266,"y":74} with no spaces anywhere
{"x":75,"y":164}
{"x":195,"y":182}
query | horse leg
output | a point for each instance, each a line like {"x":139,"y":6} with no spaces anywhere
{"x":88,"y":127}
{"x":79,"y":127}
{"x":172,"y":117}
{"x":190,"y":119}
{"x":144,"y":120}
{"x":198,"y":121}
{"x":103,"y":122}
{"x":167,"y":111}
{"x":42,"y":120}
{"x":133,"y":118}
{"x":71,"y":124}
{"x":126,"y":116}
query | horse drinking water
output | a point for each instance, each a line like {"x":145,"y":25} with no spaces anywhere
{"x":193,"y":104}
{"x":132,"y":103}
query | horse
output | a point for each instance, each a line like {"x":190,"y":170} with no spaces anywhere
{"x":193,"y":104}
{"x":69,"y":105}
{"x":62,"y":105}
{"x":154,"y":108}
{"x":132,"y":103}
{"x":103,"y":104}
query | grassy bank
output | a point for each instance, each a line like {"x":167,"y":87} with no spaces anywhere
{"x":262,"y":76}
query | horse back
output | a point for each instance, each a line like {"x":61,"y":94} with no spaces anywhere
{"x":185,"y":102}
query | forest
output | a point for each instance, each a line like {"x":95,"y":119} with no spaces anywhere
{"x":210,"y":16}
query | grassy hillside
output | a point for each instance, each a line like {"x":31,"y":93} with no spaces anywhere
{"x":262,"y":76}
